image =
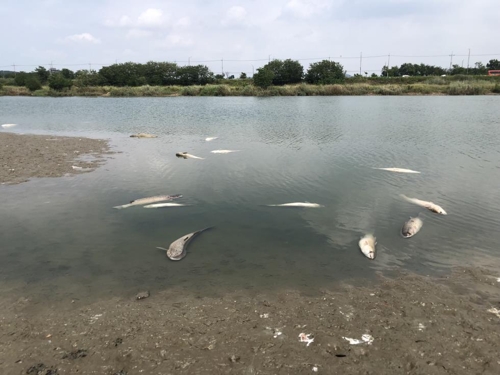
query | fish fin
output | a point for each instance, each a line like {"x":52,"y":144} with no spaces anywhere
{"x":161,"y":248}
{"x":122,"y":206}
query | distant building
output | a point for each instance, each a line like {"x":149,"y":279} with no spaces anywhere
{"x":54,"y":71}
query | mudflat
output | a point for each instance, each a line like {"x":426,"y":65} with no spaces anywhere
{"x":419,"y":325}
{"x":24,"y":156}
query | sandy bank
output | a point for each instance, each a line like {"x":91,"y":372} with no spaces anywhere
{"x":24,"y":156}
{"x":419,"y":325}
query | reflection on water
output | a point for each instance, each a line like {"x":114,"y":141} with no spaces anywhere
{"x":61,"y":237}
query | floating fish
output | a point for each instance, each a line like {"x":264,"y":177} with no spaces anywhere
{"x":5,"y":126}
{"x":429,"y":205}
{"x":159,"y":205}
{"x":297,"y":204}
{"x":177,"y":249}
{"x":141,"y":201}
{"x":411,"y":227}
{"x":400,"y":170}
{"x":76,"y":168}
{"x":143,"y":135}
{"x":185,"y":155}
{"x":367,"y":245}
{"x":223,"y":151}
{"x":208,"y":139}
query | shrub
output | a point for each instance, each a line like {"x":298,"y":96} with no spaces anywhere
{"x":496,"y":89}
{"x":58,"y":82}
{"x":32,"y":83}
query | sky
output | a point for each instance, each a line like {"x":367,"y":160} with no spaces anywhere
{"x":241,"y":36}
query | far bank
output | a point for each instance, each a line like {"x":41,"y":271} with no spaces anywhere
{"x":432,"y":86}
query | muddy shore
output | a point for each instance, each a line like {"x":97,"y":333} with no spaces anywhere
{"x":419,"y":325}
{"x":26,"y":156}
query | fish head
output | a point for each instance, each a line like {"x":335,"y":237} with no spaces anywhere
{"x":438,"y":209}
{"x":175,"y":254}
{"x":369,"y":252}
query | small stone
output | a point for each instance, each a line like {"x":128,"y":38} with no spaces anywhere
{"x":234,"y":358}
{"x":142,"y":295}
{"x":163,"y":353}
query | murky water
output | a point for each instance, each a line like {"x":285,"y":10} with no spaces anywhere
{"x":61,"y":237}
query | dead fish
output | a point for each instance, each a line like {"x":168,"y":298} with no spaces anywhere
{"x":297,"y":204}
{"x":185,"y":155}
{"x":429,"y":205}
{"x":208,"y":139}
{"x":141,"y":201}
{"x":411,"y":227}
{"x":400,"y":170}
{"x":223,"y":151}
{"x":367,"y":245}
{"x":177,"y":249}
{"x":5,"y":126}
{"x":143,"y":135}
{"x":159,"y":205}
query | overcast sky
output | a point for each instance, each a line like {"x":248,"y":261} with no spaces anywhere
{"x":101,"y":32}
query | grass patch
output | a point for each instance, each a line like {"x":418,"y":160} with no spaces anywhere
{"x":364,"y":86}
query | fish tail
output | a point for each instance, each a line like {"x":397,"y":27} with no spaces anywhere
{"x":204,"y":229}
{"x":123,"y":206}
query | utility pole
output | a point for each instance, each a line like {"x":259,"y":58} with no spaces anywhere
{"x":14,"y":65}
{"x":269,"y":58}
{"x":360,"y":61}
{"x":451,"y":59}
{"x":253,"y":71}
{"x":51,"y":67}
{"x":388,"y":64}
{"x":222,"y":62}
{"x":468,"y":59}
{"x":90,"y":67}
{"x":189,"y":60}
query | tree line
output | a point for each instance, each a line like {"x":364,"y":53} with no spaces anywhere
{"x":276,"y":72}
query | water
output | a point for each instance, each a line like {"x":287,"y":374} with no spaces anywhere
{"x":62,"y":238}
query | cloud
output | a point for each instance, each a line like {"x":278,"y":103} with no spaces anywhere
{"x":306,"y":8}
{"x":183,"y":22}
{"x":138,"y":33}
{"x":179,"y":40}
{"x":82,"y":38}
{"x":150,"y":18}
{"x":235,"y":15}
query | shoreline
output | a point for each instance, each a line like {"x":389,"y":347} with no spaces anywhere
{"x":26,"y":156}
{"x":418,"y":324}
{"x":400,"y":88}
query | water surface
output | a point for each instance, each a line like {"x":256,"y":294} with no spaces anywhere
{"x":61,"y":237}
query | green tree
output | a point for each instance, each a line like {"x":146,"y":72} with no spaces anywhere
{"x":43,"y":74}
{"x":390,"y":72}
{"x":68,"y":74}
{"x":194,"y":75}
{"x":243,"y":75}
{"x":160,"y":73}
{"x":263,"y":78}
{"x":493,"y":65}
{"x":285,"y":72}
{"x":325,"y":72}
{"x":32,"y":83}
{"x":86,"y":78}
{"x":126,"y":74}
{"x":58,"y":82}
{"x":20,"y":79}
